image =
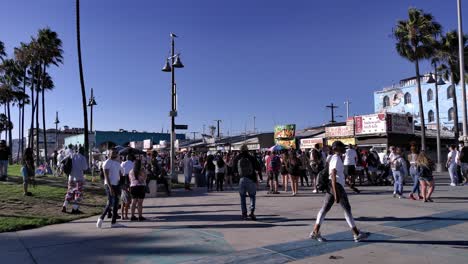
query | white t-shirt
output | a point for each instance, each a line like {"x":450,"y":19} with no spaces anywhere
{"x":453,"y":155}
{"x":114,"y":171}
{"x":337,"y":164}
{"x":127,"y":166}
{"x":350,"y":157}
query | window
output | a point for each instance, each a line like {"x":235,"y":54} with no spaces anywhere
{"x":430,"y":116}
{"x":450,"y":92}
{"x":407,"y":98}
{"x":451,"y":114}
{"x":386,"y":101}
{"x":430,"y":95}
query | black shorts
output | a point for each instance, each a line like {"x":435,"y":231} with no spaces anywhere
{"x":273,"y":175}
{"x":138,"y":192}
{"x":350,"y":170}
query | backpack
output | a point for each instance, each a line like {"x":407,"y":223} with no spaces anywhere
{"x":323,"y":182}
{"x":67,"y":165}
{"x":245,"y":167}
{"x":397,"y":165}
{"x":275,"y":163}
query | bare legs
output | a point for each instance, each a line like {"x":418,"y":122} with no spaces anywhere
{"x":139,"y":203}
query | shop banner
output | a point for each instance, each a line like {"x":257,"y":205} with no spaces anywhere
{"x":286,"y":143}
{"x":285,"y":131}
{"x":400,"y":124}
{"x":339,"y":131}
{"x":308,"y":143}
{"x":147,"y":143}
{"x":370,"y":124}
{"x":345,"y":141}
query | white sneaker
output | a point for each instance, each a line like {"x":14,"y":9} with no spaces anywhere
{"x":317,"y":237}
{"x":453,"y":184}
{"x":99,"y":223}
{"x":314,"y":191}
{"x":360,"y":237}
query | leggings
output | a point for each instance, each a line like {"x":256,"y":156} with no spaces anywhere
{"x":330,"y":200}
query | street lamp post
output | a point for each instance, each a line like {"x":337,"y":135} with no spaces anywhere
{"x":91,"y":104}
{"x":176,"y":63}
{"x":56,"y":129}
{"x":462,"y":70}
{"x":437,"y":83}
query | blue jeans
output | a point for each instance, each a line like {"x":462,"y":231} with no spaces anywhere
{"x":398,"y":184}
{"x":415,"y":176}
{"x":246,"y":185}
{"x":112,"y":202}
{"x":453,"y":173}
{"x":3,"y":168}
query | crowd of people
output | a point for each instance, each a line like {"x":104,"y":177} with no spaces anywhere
{"x":126,"y":177}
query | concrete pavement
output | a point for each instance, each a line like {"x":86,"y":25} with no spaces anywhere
{"x":199,"y":227}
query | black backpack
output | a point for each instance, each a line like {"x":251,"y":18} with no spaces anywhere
{"x":245,"y":167}
{"x":67,"y":165}
{"x":323,"y":183}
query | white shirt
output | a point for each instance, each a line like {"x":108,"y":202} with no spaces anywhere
{"x":127,"y":166}
{"x":79,"y":164}
{"x":114,"y":171}
{"x":337,"y":164}
{"x":453,"y":156}
{"x":350,"y":157}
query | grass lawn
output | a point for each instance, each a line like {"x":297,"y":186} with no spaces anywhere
{"x":18,"y":212}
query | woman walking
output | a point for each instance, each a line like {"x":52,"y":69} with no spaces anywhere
{"x":337,"y":194}
{"x":397,"y":163}
{"x":229,"y":169}
{"x":284,"y":170}
{"x":220,"y":170}
{"x":452,"y":165}
{"x":412,"y":158}
{"x":137,"y":178}
{"x":424,"y":165}
{"x":27,"y":170}
{"x":294,"y":170}
{"x":209,"y":169}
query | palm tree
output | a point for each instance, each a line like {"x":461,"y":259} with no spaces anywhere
{"x":415,"y":39}
{"x":447,"y":52}
{"x":83,"y":90}
{"x":2,"y":51}
{"x":50,"y":53}
{"x":8,"y":83}
{"x":22,"y":58}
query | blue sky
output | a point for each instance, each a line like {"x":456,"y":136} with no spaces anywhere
{"x":281,"y":61}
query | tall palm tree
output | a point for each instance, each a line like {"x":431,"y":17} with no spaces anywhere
{"x":415,"y":39}
{"x":83,"y":90}
{"x":22,"y":58}
{"x":447,"y":52}
{"x":50,"y":46}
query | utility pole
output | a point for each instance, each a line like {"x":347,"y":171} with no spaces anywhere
{"x":347,"y":103}
{"x":194,"y":134}
{"x":218,"y":121}
{"x":332,"y":108}
{"x":255,"y":129}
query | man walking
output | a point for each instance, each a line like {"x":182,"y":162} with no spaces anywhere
{"x":337,"y":194}
{"x":76,"y":182}
{"x":246,"y":166}
{"x":112,"y":174}
{"x":273,"y":165}
{"x":5,"y":154}
{"x":188,"y":170}
{"x":463,"y":161}
{"x":350,"y":161}
{"x":316,"y":165}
